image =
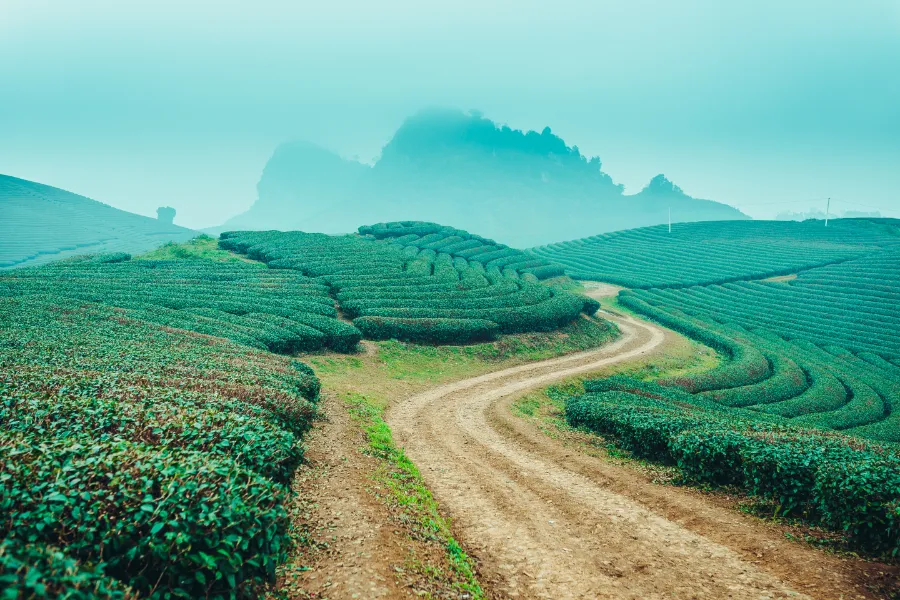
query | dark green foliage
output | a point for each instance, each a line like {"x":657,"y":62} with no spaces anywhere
{"x":591,"y":306}
{"x":787,"y":381}
{"x":278,"y":310}
{"x":250,"y":434}
{"x":37,"y":571}
{"x":439,"y":330}
{"x":412,"y":283}
{"x":746,"y":366}
{"x":815,"y":387}
{"x":828,"y":479}
{"x":462,"y":244}
{"x":190,"y":524}
{"x":159,"y":453}
{"x":716,"y":252}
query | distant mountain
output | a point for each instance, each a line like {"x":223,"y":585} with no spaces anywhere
{"x":39,"y":223}
{"x":521,"y":188}
{"x":301,"y":181}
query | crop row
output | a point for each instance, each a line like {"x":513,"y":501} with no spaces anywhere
{"x":827,"y":388}
{"x":716,"y":252}
{"x":419,"y":294}
{"x":263,"y":308}
{"x":827,"y":479}
{"x":458,"y":243}
{"x":138,"y":460}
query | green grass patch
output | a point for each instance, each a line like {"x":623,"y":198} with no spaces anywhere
{"x":404,"y":360}
{"x":202,"y":246}
{"x":402,"y":479}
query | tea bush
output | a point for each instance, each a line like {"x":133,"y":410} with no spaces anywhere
{"x":417,"y":281}
{"x":153,"y":456}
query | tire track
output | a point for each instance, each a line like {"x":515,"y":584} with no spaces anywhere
{"x":543,"y":530}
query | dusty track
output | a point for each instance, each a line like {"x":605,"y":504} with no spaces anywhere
{"x":545,"y":522}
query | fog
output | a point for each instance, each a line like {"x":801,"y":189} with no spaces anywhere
{"x":767,"y":106}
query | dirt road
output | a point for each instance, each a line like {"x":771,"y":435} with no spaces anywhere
{"x":544,"y":521}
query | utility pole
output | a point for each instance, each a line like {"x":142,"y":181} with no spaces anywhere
{"x":827,"y":209}
{"x":670,"y":219}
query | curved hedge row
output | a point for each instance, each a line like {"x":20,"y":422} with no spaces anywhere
{"x":462,"y":244}
{"x":815,"y":388}
{"x":420,"y":293}
{"x":827,"y":479}
{"x":746,"y":366}
{"x":439,"y":331}
{"x":163,"y":455}
{"x":281,"y":311}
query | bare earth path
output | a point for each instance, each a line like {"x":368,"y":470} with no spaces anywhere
{"x":545,"y":522}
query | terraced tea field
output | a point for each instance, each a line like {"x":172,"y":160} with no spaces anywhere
{"x":40,"y":223}
{"x":394,"y":289}
{"x":155,"y":415}
{"x":717,"y":252}
{"x":138,"y":459}
{"x":803,"y":357}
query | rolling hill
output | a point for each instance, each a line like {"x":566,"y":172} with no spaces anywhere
{"x":40,"y":223}
{"x":521,"y":188}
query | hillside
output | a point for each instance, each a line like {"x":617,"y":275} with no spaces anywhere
{"x":717,"y":252}
{"x":805,"y":314}
{"x":41,"y":223}
{"x":394,"y":288}
{"x":299,"y":182}
{"x":521,"y":188}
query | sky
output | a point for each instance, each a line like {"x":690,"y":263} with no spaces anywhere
{"x":765,"y":105}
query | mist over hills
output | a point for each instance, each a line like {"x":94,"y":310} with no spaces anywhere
{"x":521,"y":188}
{"x":40,"y":223}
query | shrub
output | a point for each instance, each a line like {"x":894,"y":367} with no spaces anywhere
{"x":179,"y":522}
{"x":35,"y":571}
{"x":437,"y":330}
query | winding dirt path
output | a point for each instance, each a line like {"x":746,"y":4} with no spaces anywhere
{"x":544,"y":521}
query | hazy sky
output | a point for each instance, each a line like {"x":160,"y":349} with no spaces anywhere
{"x":766,"y":105}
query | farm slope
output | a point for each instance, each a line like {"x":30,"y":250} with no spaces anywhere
{"x":451,"y":288}
{"x":812,"y":364}
{"x":135,"y":449}
{"x":717,"y":252}
{"x":545,"y":521}
{"x":40,"y":223}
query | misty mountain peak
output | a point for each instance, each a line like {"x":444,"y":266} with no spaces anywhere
{"x":662,"y":185}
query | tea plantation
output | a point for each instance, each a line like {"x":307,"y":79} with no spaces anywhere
{"x":718,"y":251}
{"x":462,"y":244}
{"x":281,"y":311}
{"x":804,"y":410}
{"x":138,"y":459}
{"x":391,"y":289}
{"x":40,"y":223}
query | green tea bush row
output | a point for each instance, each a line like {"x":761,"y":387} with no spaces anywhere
{"x":437,"y":330}
{"x":38,"y":571}
{"x":150,"y":455}
{"x":158,"y":519}
{"x":801,"y":381}
{"x":746,"y":366}
{"x":717,"y":252}
{"x":278,"y":310}
{"x":413,"y":283}
{"x":787,"y":381}
{"x":249,"y":434}
{"x":827,"y":479}
{"x":460,"y":243}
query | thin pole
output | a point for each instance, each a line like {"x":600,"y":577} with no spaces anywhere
{"x":827,"y":209}
{"x":670,"y":219}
